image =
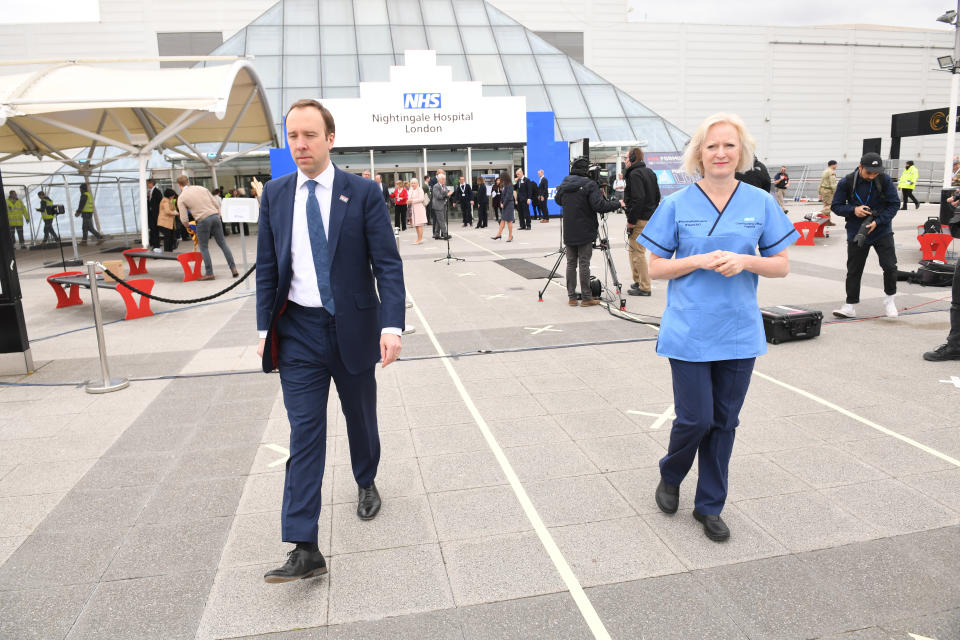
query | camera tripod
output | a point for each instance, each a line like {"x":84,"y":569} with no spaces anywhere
{"x":606,"y":293}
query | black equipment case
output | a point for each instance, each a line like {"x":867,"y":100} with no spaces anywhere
{"x":783,"y":324}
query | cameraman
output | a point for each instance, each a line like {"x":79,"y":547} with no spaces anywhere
{"x":641,"y":195}
{"x":47,"y":213}
{"x":951,"y":349}
{"x":581,"y":201}
{"x":868,"y":197}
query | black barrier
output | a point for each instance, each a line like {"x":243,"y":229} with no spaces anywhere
{"x":123,"y":283}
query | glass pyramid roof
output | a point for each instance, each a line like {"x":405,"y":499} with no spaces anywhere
{"x":324,"y":48}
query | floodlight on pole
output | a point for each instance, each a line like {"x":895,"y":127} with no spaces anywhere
{"x":946,"y":63}
{"x":950,"y":17}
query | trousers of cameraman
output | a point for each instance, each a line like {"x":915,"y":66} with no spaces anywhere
{"x":578,"y":256}
{"x":953,"y":338}
{"x":857,"y":259}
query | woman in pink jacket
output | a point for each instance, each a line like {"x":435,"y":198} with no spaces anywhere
{"x":418,"y":212}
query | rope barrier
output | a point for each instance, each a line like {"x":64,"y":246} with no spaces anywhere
{"x":123,"y":283}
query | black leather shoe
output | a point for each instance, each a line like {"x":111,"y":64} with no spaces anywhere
{"x":713,"y":526}
{"x":668,"y":497}
{"x":638,"y":292}
{"x":368,"y":502}
{"x":300,"y":565}
{"x":942,"y":353}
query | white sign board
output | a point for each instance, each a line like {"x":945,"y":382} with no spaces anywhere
{"x":239,"y":210}
{"x":421,"y":106}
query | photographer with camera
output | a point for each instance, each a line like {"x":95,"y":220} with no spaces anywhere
{"x":951,"y":349}
{"x":581,"y":201}
{"x":868,"y":199}
{"x":47,"y":212}
{"x":641,"y":195}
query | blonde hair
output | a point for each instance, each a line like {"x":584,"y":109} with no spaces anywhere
{"x":412,"y":180}
{"x":691,"y":154}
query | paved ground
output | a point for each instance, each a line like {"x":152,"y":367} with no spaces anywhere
{"x":518,"y":483}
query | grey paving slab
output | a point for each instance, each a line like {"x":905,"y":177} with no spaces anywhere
{"x":256,"y":538}
{"x":637,"y":486}
{"x":776,"y":598}
{"x":162,"y":549}
{"x":553,"y":617}
{"x":499,"y":568}
{"x":575,"y":500}
{"x":826,"y":466}
{"x":513,"y":406}
{"x":388,"y":582}
{"x":241,"y":603}
{"x":807,"y":520}
{"x":617,"y":453}
{"x":311,"y":633}
{"x":558,"y":402}
{"x":162,"y":607}
{"x":118,"y":508}
{"x":133,"y":470}
{"x":394,"y":445}
{"x":596,"y":424}
{"x":402,"y":522}
{"x":83,"y":555}
{"x":233,"y":432}
{"x":438,"y":391}
{"x":675,"y":607}
{"x":944,"y":440}
{"x":942,"y":486}
{"x":200,"y":464}
{"x":432,"y":625}
{"x":438,"y":414}
{"x":263,"y":492}
{"x":518,"y":432}
{"x":239,"y":408}
{"x":460,"y":471}
{"x":832,"y":426}
{"x":871,"y":633}
{"x":774,"y":435}
{"x":436,"y":441}
{"x":754,"y":476}
{"x":198,"y":500}
{"x":33,"y":426}
{"x":891,"y":507}
{"x":475,"y":513}
{"x":551,"y":460}
{"x":613,"y":551}
{"x":152,"y":438}
{"x":945,"y":624}
{"x":895,"y":457}
{"x":395,"y":478}
{"x":41,"y":614}
{"x":20,"y":515}
{"x":8,"y":546}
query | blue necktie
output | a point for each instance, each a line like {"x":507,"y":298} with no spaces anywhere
{"x":318,"y":243}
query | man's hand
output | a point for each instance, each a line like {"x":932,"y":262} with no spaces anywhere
{"x":389,"y":348}
{"x":871,"y":227}
{"x":727,"y":263}
{"x":862,"y":211}
{"x":529,"y":201}
{"x":623,"y":205}
{"x":260,"y":346}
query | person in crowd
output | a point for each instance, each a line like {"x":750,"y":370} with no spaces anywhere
{"x":16,"y":214}
{"x":400,"y":196}
{"x":47,"y":215}
{"x":711,"y":241}
{"x":154,"y":196}
{"x":366,"y":174}
{"x":463,"y":196}
{"x":507,"y":206}
{"x":908,"y":182}
{"x":950,"y":350}
{"x":198,"y":202}
{"x":955,"y":180}
{"x":440,"y":203}
{"x":870,"y":193}
{"x":496,"y":195}
{"x":525,"y":192}
{"x":619,"y":185}
{"x":85,"y":209}
{"x":543,"y":192}
{"x":757,"y":176}
{"x":483,"y":201}
{"x":827,"y":189}
{"x":641,"y":198}
{"x":580,"y":200}
{"x":166,"y":219}
{"x":330,"y":304}
{"x":780,"y":183}
{"x":418,"y":213}
{"x":385,"y":190}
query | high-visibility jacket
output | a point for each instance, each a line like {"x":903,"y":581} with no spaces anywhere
{"x":16,"y":212}
{"x":45,"y":204}
{"x":88,"y":203}
{"x":909,"y":178}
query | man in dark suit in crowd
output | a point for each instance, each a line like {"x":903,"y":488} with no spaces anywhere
{"x":386,"y":192}
{"x":325,"y":249}
{"x":525,"y":195}
{"x":543,"y":191}
{"x":154,"y":196}
{"x":463,"y":195}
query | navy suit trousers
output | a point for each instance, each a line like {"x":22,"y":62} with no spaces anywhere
{"x":309,"y":358}
{"x":708,"y":397}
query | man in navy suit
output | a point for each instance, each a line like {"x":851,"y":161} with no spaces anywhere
{"x":543,"y":191}
{"x":463,"y":195}
{"x":525,"y":191}
{"x":324,"y":237}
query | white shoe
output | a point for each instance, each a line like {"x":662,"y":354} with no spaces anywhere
{"x":846,"y":311}
{"x":890,"y":306}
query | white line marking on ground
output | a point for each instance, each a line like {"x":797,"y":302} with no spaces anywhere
{"x":860,"y":419}
{"x":663,"y":417}
{"x":566,"y":573}
{"x":954,"y":380}
{"x":284,"y":452}
{"x":494,"y":296}
{"x":463,"y":275}
{"x":538,"y":330}
{"x":465,"y":239}
{"x":916,"y":637}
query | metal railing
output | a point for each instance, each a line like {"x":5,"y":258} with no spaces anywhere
{"x":805,"y":178}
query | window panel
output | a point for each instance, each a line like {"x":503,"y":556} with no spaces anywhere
{"x":632,"y":107}
{"x":339,"y":71}
{"x":569,"y":42}
{"x":301,"y":71}
{"x":263,"y":41}
{"x":458,"y":65}
{"x":438,"y":12}
{"x":490,"y":90}
{"x":613,"y":129}
{"x":540,"y":45}
{"x":487,"y":69}
{"x":584,"y":75}
{"x":268,"y":68}
{"x":478,"y":40}
{"x":521,"y":69}
{"x":405,"y":38}
{"x":470,"y":13}
{"x":498,"y":17}
{"x":272,"y":16}
{"x":679,"y":137}
{"x":536,"y":97}
{"x":602,"y":101}
{"x":375,"y":68}
{"x":370,"y":12}
{"x":273,"y":99}
{"x":300,"y":12}
{"x":653,"y":132}
{"x":444,"y":39}
{"x":235,"y":46}
{"x":336,"y":12}
{"x":374,"y":40}
{"x":338,"y":40}
{"x":512,"y":39}
{"x":292,"y":95}
{"x":404,"y":12}
{"x":568,"y":102}
{"x":301,"y":41}
{"x":555,"y":70}
{"x":576,"y":128}
{"x":341,"y":92}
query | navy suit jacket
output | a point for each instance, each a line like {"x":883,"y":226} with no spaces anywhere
{"x":467,"y":195}
{"x":362,"y":247}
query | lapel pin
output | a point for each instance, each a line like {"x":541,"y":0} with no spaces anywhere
{"x":344,"y":199}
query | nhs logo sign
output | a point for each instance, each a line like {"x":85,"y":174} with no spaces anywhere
{"x":421,"y":101}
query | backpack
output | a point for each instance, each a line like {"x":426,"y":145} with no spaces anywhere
{"x":932,"y":225}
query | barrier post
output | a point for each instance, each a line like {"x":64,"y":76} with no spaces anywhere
{"x":107,"y":384}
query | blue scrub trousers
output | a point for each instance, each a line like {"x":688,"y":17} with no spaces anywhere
{"x":708,"y":397}
{"x":309,"y":358}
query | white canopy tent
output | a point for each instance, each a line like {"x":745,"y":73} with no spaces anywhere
{"x":136,"y":111}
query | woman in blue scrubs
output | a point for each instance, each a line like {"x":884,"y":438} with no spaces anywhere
{"x":712,"y":240}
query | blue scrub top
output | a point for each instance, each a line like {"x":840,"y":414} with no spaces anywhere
{"x":711,"y":317}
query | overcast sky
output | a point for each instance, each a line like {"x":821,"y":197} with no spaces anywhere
{"x":915,"y":13}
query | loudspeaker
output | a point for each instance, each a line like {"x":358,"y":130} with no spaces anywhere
{"x":871,"y":145}
{"x":13,"y":328}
